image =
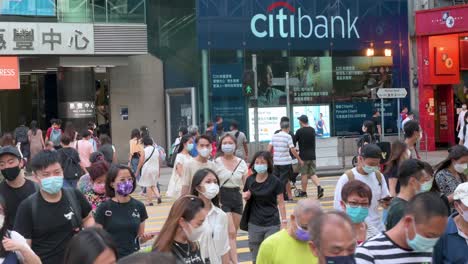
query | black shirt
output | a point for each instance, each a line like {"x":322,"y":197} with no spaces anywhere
{"x":185,"y":254}
{"x":122,"y":221}
{"x":13,"y":198}
{"x":51,"y":228}
{"x":396,"y":211}
{"x":108,"y":152}
{"x":305,"y":136}
{"x":64,"y":155}
{"x":264,"y":204}
{"x":393,"y":173}
{"x":377,"y":122}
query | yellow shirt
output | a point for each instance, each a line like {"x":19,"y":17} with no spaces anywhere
{"x":281,"y":248}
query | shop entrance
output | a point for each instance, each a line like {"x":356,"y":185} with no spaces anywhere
{"x":444,"y":114}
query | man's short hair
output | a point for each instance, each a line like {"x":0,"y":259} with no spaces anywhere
{"x":193,"y":130}
{"x":284,"y":119}
{"x":411,"y":127}
{"x":44,"y":159}
{"x":308,"y":205}
{"x":209,"y":124}
{"x":358,"y":187}
{"x":425,"y":206}
{"x":65,"y":139}
{"x":284,"y":125}
{"x":371,"y":151}
{"x":203,"y":137}
{"x":316,"y":225}
{"x":408,"y":169}
{"x":235,"y":125}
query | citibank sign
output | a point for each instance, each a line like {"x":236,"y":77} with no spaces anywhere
{"x":299,"y":25}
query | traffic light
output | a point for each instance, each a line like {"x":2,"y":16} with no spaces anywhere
{"x":248,"y":83}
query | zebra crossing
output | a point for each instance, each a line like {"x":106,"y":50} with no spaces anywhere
{"x":158,"y":214}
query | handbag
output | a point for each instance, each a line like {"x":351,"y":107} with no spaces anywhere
{"x":244,"y":222}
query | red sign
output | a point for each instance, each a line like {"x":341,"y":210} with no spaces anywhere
{"x":442,"y":21}
{"x":9,"y":73}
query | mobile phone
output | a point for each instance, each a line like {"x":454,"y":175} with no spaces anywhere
{"x":386,"y":199}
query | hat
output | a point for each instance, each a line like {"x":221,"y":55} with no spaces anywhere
{"x":461,"y":193}
{"x":303,"y":119}
{"x":10,"y":150}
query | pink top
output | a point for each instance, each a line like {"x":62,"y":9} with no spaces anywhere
{"x":84,"y":148}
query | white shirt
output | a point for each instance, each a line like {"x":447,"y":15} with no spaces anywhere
{"x":15,"y":236}
{"x":214,"y":242}
{"x":282,"y":142}
{"x":228,"y":178}
{"x":378,"y":192}
{"x":461,"y":120}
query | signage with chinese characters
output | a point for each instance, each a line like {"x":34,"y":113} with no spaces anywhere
{"x":9,"y":73}
{"x":268,"y":122}
{"x":387,"y":93}
{"x":82,"y":109}
{"x":46,"y":38}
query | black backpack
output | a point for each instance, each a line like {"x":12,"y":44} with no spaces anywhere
{"x":21,"y":135}
{"x":71,"y":168}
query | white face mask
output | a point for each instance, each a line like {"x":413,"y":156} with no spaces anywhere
{"x":195,"y":233}
{"x":204,"y":152}
{"x":460,"y":168}
{"x":211,"y":190}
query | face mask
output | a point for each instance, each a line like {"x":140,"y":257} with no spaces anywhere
{"x":260,"y":168}
{"x":228,"y":148}
{"x":190,"y":146}
{"x":464,"y":107}
{"x":460,"y":168}
{"x":99,"y":188}
{"x":2,"y":221}
{"x":370,"y":169}
{"x":195,"y":233}
{"x":357,"y":214}
{"x":301,"y":234}
{"x":52,"y":185}
{"x":204,"y":152}
{"x":211,"y":190}
{"x":340,"y":260}
{"x":420,"y":243}
{"x":124,"y":188}
{"x":425,"y":187}
{"x":11,"y":173}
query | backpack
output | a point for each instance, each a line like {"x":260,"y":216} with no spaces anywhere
{"x":170,"y":160}
{"x":55,"y":136}
{"x":71,"y":168}
{"x":21,"y":135}
{"x":350,"y":175}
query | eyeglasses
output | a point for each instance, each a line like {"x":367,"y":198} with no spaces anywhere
{"x":355,"y":204}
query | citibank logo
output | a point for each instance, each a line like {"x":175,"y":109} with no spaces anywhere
{"x":297,"y":25}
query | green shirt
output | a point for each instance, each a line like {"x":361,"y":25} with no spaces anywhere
{"x":396,"y":211}
{"x":281,"y":248}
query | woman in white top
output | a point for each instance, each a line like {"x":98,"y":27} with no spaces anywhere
{"x":150,"y":171}
{"x":233,"y":171}
{"x":14,"y":248}
{"x":183,"y":155}
{"x":463,"y":134}
{"x":214,"y":241}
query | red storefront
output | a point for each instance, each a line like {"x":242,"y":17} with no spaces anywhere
{"x":442,"y":44}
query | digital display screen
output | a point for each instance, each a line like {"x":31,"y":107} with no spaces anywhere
{"x":319,"y":118}
{"x":28,"y":7}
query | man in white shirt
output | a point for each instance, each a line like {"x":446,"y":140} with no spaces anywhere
{"x":281,"y":143}
{"x":461,"y":120}
{"x":367,"y":171}
{"x":409,"y":117}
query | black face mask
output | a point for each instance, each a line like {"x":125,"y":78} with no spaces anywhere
{"x":11,"y":173}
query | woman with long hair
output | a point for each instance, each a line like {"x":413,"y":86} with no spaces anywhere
{"x":368,"y":137}
{"x":264,"y":192}
{"x":214,"y":242}
{"x":123,"y":216}
{"x":183,"y":155}
{"x":14,"y":248}
{"x":136,"y":150}
{"x":232,"y":173}
{"x":92,"y":245}
{"x":451,"y":172}
{"x":400,"y":153}
{"x":182,"y":230}
{"x":71,"y":132}
{"x":36,"y":141}
{"x":150,"y":171}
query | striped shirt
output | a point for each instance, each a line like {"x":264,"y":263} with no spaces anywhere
{"x":281,"y":143}
{"x":382,"y":250}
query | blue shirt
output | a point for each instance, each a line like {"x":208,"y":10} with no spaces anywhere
{"x":194,"y":151}
{"x":451,"y":247}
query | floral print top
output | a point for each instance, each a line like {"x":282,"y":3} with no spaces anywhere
{"x":86,"y":187}
{"x":448,"y":182}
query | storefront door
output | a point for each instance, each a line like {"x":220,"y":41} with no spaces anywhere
{"x":444,"y":114}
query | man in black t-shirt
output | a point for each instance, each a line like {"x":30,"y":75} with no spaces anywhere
{"x":49,"y":218}
{"x":377,"y":122}
{"x":15,"y":188}
{"x":305,"y":137}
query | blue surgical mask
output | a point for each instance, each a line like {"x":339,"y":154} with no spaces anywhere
{"x":340,"y":260}
{"x":420,"y":243}
{"x":260,"y":168}
{"x":370,"y":169}
{"x":52,"y":185}
{"x":357,"y":214}
{"x":302,"y":234}
{"x":190,"y":146}
{"x":228,"y":148}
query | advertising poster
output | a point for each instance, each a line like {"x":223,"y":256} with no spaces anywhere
{"x":269,"y":68}
{"x":268,"y":122}
{"x":361,"y":77}
{"x":227,"y":98}
{"x":27,"y":7}
{"x":315,"y":78}
{"x":349,"y":117}
{"x":319,"y":118}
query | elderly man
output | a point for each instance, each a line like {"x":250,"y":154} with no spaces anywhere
{"x":332,"y":238}
{"x":290,"y":246}
{"x":194,"y":132}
